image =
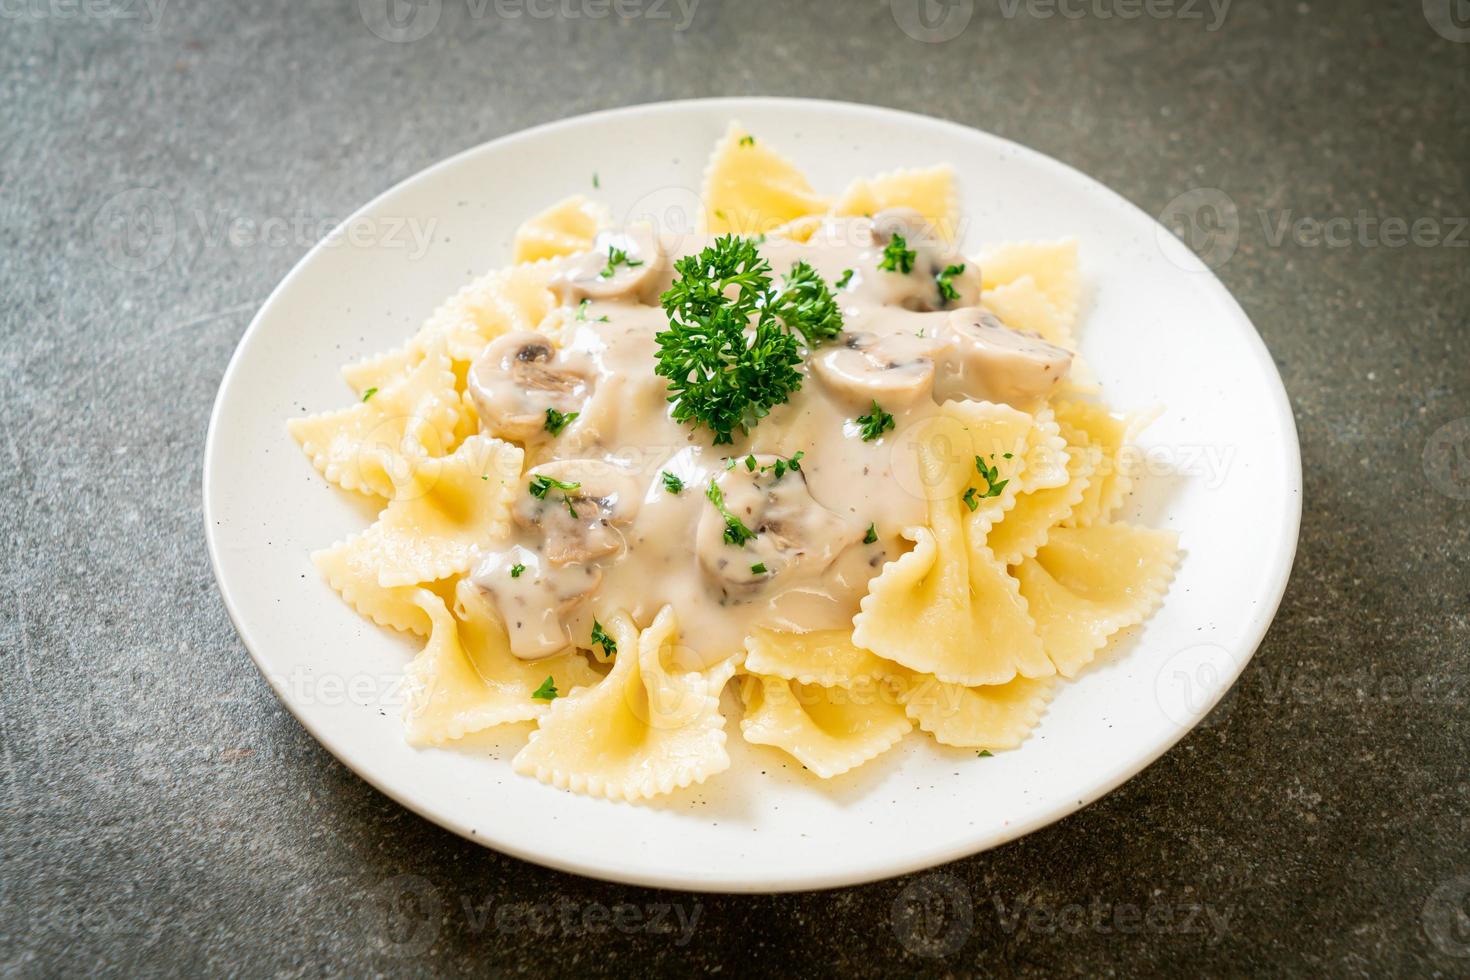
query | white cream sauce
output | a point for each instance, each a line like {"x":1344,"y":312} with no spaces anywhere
{"x":623,"y":541}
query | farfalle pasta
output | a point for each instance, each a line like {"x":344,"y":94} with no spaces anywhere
{"x":815,"y":449}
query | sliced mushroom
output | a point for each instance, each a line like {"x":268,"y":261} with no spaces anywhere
{"x":896,"y":370}
{"x":791,"y":534}
{"x":534,"y":602}
{"x":988,"y":360}
{"x":518,"y":378}
{"x":622,"y":265}
{"x":578,"y":505}
{"x":937,"y":264}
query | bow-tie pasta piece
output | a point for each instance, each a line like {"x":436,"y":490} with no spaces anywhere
{"x":466,"y":679}
{"x":443,"y":513}
{"x":645,"y":731}
{"x":1021,"y":305}
{"x":1051,"y":267}
{"x":1088,"y":583}
{"x":948,"y":608}
{"x":361,"y":448}
{"x":830,"y":730}
{"x":930,"y":191}
{"x":1027,"y":525}
{"x":994,"y":717}
{"x":825,"y":657}
{"x":750,"y":189}
{"x":352,"y":573}
{"x":565,"y":228}
{"x":1092,"y":425}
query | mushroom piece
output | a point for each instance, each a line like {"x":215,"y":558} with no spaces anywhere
{"x":786,"y":532}
{"x":530,"y":597}
{"x":988,"y":360}
{"x":621,"y":265}
{"x":578,"y":504}
{"x":519,"y":377}
{"x":896,"y":370}
{"x":936,"y":261}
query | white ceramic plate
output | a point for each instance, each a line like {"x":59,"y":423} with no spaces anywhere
{"x":1159,"y":330}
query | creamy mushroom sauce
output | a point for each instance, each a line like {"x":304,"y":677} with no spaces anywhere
{"x":632,"y":544}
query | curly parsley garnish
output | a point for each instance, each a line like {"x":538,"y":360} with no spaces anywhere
{"x":556,"y":421}
{"x":517,"y":570}
{"x":897,"y":256}
{"x":542,"y":485}
{"x":731,"y":351}
{"x":672,"y":483}
{"x":600,"y":638}
{"x":876,"y":424}
{"x":736,"y":532}
{"x":947,"y":292}
{"x":547,"y":690}
{"x":615,"y":258}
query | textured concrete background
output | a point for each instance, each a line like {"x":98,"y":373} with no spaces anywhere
{"x":161,"y":811}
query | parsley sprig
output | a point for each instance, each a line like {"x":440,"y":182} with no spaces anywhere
{"x":547,"y":690}
{"x":731,"y":351}
{"x":672,"y":483}
{"x":991,"y":475}
{"x":736,"y":532}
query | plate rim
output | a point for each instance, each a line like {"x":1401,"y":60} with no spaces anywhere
{"x":1262,"y":616}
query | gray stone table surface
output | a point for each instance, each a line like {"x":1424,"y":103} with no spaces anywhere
{"x":163,"y":813}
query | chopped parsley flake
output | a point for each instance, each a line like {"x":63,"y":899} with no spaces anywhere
{"x":600,"y":638}
{"x":596,"y":182}
{"x":672,"y":483}
{"x":582,"y":312}
{"x":615,"y":258}
{"x":759,"y":568}
{"x":985,"y":754}
{"x":780,"y":466}
{"x":876,"y":424}
{"x":750,"y":463}
{"x":517,"y":570}
{"x":369,"y":393}
{"x":556,"y":421}
{"x":736,"y":532}
{"x":994,"y":484}
{"x":897,"y":256}
{"x":872,"y":534}
{"x":843,"y":279}
{"x":547,"y":690}
{"x":947,"y":292}
{"x":542,"y":485}
{"x":970,"y":499}
{"x":747,"y":141}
